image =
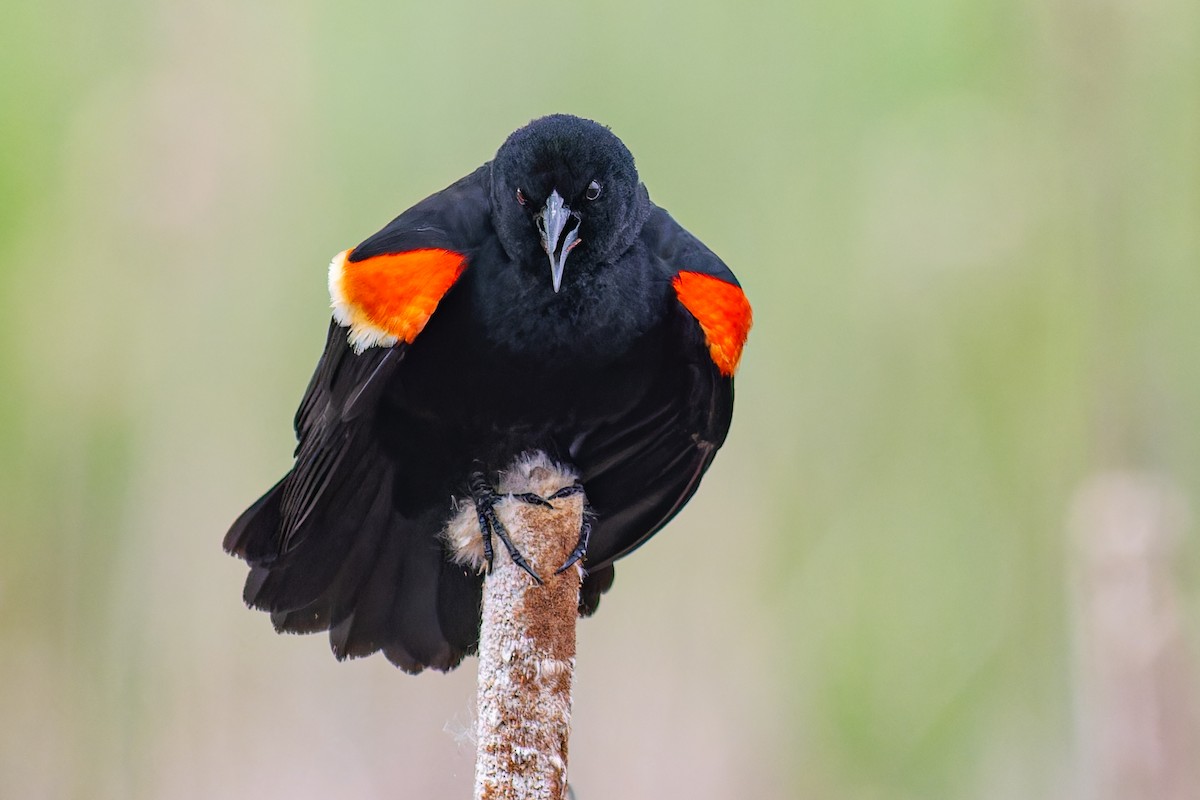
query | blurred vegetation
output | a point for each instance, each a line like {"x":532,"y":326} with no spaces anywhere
{"x":971,"y":232}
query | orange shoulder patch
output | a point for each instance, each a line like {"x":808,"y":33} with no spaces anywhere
{"x":388,"y":298}
{"x":723,"y":313}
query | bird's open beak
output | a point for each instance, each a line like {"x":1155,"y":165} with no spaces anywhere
{"x":557,"y":238}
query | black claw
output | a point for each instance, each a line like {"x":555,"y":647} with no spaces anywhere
{"x":493,"y":521}
{"x":585,"y":531}
{"x":567,"y":491}
{"x":532,"y":499}
{"x":485,"y":498}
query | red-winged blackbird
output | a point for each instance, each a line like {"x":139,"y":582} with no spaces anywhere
{"x":452,"y":351}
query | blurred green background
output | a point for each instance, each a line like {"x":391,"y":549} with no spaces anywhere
{"x":948,"y":551}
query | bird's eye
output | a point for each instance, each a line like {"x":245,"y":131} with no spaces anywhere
{"x":520,"y":197}
{"x":593,"y":191}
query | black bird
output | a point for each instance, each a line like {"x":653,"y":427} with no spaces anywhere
{"x":542,"y":302}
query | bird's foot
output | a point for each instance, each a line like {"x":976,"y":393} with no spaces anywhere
{"x":567,"y":491}
{"x":532,"y":499}
{"x":585,"y":530}
{"x":485,"y":498}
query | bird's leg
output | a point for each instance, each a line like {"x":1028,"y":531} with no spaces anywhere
{"x":585,"y":530}
{"x":485,"y":498}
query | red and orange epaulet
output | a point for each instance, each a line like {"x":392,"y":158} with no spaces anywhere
{"x":723,"y":312}
{"x":388,"y":298}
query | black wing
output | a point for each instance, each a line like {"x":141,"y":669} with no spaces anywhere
{"x":327,"y":546}
{"x":640,"y":471}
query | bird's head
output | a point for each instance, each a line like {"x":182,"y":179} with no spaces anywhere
{"x":565,"y":189}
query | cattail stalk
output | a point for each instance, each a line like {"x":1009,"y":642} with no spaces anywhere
{"x":527,"y":642}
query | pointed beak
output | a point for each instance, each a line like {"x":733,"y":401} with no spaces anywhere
{"x":559,"y":226}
